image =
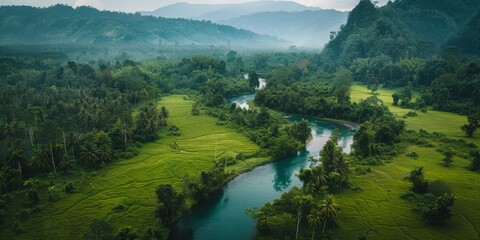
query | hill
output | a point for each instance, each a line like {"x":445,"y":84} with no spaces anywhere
{"x":222,"y":12}
{"x":468,"y":38}
{"x":306,"y":28}
{"x":64,"y":24}
{"x":403,"y":28}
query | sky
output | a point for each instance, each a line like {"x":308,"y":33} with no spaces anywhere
{"x":150,"y":5}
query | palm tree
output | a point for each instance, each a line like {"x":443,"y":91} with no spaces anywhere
{"x":15,"y":157}
{"x":88,"y":154}
{"x":41,"y":158}
{"x":142,"y":121}
{"x":328,"y":210}
{"x":301,"y":202}
{"x":126,"y":131}
{"x":164,"y":112}
{"x":314,"y":220}
{"x":320,"y":177}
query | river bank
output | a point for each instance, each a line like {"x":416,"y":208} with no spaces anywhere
{"x":223,"y":215}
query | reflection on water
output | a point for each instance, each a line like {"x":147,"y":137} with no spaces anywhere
{"x":224,"y":217}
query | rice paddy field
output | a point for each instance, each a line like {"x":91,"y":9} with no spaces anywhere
{"x":132,"y":182}
{"x":377,"y":204}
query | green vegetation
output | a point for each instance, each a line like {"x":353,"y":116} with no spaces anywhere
{"x":118,"y":149}
{"x":431,"y":121}
{"x":132,"y":182}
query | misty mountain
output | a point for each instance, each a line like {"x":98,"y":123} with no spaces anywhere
{"x":400,"y":29}
{"x":468,"y":38}
{"x":64,"y":24}
{"x":222,"y":12}
{"x":306,"y":28}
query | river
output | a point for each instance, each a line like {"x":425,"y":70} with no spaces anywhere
{"x":224,"y":217}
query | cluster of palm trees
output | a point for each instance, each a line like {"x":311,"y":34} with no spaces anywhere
{"x":330,"y":175}
{"x":54,"y":116}
{"x":325,"y":212}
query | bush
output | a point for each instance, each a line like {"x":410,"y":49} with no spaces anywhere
{"x":439,"y":188}
{"x":69,"y":188}
{"x":413,"y":155}
{"x":53,"y":194}
{"x":126,"y":233}
{"x":362,"y":170}
{"x":411,"y":114}
{"x":410,"y":196}
{"x":475,"y":165}
{"x":25,"y":213}
{"x":437,"y":210}
{"x":420,"y":185}
{"x":119,"y":207}
{"x":18,"y":228}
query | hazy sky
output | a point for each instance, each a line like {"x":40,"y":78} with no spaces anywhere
{"x":142,"y":5}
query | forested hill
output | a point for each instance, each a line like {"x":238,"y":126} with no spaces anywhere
{"x":468,"y":39}
{"x":403,"y":28}
{"x":64,"y":24}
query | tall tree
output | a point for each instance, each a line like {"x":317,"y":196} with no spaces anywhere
{"x":314,"y":220}
{"x":328,"y":210}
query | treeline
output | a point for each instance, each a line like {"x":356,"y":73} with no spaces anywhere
{"x":447,"y":83}
{"x":317,"y":95}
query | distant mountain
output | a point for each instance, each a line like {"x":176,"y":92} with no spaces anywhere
{"x":306,"y":28}
{"x":468,"y":38}
{"x":403,"y":28}
{"x":63,"y":24}
{"x":222,"y":12}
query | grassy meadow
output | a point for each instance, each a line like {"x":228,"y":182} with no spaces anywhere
{"x":377,"y":205}
{"x":432,"y":121}
{"x":132,"y":182}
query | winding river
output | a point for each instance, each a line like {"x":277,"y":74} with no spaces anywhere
{"x":224,"y":216}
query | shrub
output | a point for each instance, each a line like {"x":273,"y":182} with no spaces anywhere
{"x":410,"y":196}
{"x":25,"y":213}
{"x":420,"y":185}
{"x":439,"y":188}
{"x":69,"y":188}
{"x":437,"y":210}
{"x":413,"y":155}
{"x":362,"y":170}
{"x":53,"y":194}
{"x":411,"y":114}
{"x":119,"y":207}
{"x":18,"y":228}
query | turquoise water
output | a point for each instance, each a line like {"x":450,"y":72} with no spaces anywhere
{"x":224,"y":217}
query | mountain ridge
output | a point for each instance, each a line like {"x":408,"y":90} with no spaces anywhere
{"x":64,"y":24}
{"x":305,"y":28}
{"x":222,"y":12}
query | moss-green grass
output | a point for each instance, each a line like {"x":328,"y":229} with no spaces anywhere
{"x":132,"y":182}
{"x":379,"y":204}
{"x":432,"y":121}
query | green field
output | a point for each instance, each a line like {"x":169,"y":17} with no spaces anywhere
{"x":133,"y":182}
{"x":379,"y":205}
{"x":432,"y":121}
